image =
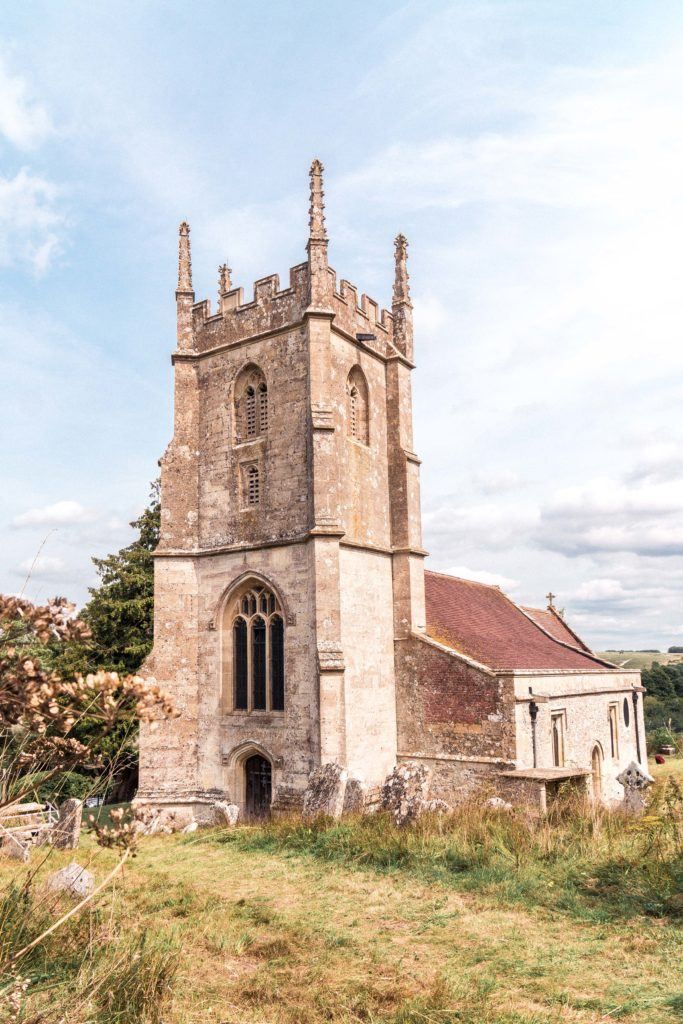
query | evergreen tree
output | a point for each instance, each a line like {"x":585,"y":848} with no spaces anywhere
{"x":120,"y":615}
{"x":120,"y":612}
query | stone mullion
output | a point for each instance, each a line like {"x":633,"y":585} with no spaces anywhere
{"x":269,"y":682}
{"x":250,"y":667}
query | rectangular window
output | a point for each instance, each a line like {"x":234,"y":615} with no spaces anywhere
{"x":557,"y":726}
{"x":614,"y":729}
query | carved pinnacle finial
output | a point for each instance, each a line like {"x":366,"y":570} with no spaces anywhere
{"x":316,"y":218}
{"x":224,"y":279}
{"x":401,"y":286}
{"x":184,"y":259}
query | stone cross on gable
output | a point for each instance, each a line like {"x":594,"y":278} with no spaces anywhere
{"x":551,"y":598}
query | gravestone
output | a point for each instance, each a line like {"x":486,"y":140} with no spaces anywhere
{"x":404,"y":793}
{"x":635,"y":781}
{"x":325,"y":791}
{"x":66,"y":832}
{"x":225,"y":813}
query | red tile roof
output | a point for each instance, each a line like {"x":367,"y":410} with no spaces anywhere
{"x":481,"y":622}
{"x":553,"y":623}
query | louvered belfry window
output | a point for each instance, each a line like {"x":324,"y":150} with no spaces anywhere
{"x":357,"y":406}
{"x":253,"y":486}
{"x":258,"y":651}
{"x":251,"y":405}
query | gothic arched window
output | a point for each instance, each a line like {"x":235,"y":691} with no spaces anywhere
{"x":357,"y":406}
{"x":251,"y":405}
{"x":256,"y":626}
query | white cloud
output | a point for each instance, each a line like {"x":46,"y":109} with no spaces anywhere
{"x":494,"y":579}
{"x":24,"y":122}
{"x":609,"y":515}
{"x":496,"y":481}
{"x":44,"y":567}
{"x":452,"y":526}
{"x":30,"y":221}
{"x":600,"y":590}
{"x":61,"y":513}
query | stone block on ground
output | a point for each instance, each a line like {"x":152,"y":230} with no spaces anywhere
{"x":13,"y":848}
{"x":404,"y":793}
{"x":225,"y":813}
{"x":325,"y":791}
{"x":73,"y":880}
{"x":167,"y":821}
{"x":66,"y":832}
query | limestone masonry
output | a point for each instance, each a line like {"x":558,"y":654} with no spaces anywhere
{"x":295,"y":625}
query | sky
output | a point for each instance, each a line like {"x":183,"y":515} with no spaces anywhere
{"x":532,"y":152}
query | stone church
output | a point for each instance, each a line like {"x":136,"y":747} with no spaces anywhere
{"x":295,"y":623}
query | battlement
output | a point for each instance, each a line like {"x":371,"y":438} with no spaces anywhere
{"x":312,"y":287}
{"x":274,"y":308}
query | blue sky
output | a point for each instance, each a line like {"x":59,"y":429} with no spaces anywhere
{"x":533,"y":154}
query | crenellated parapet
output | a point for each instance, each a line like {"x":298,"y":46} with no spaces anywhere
{"x":313,"y":290}
{"x":273,"y":308}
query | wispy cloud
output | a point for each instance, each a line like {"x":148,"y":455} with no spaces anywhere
{"x":60,"y":513}
{"x":24,"y":122}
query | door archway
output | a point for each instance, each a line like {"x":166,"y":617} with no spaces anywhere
{"x":258,"y":786}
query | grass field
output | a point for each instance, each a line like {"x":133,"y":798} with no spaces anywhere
{"x":293,"y":924}
{"x":640,"y":659}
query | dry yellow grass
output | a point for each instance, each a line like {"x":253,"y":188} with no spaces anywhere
{"x":280,"y":937}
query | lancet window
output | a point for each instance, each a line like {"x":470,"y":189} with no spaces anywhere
{"x":251,"y":405}
{"x":258,"y":652}
{"x":357,"y":407}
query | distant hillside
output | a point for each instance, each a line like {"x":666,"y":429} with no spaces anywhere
{"x":640,"y":659}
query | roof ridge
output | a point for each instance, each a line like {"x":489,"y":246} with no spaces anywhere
{"x":583,"y":647}
{"x":555,"y":640}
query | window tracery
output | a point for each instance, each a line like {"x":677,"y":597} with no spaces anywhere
{"x":258,"y":662}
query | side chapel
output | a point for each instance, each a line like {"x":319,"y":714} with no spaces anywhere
{"x":295,"y":623}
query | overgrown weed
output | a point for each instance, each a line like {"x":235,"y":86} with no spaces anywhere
{"x":594,"y":863}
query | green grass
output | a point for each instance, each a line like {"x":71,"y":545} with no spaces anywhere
{"x":490,"y":918}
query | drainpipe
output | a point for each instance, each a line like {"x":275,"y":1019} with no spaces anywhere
{"x":635,"y":722}
{"x":533,"y":713}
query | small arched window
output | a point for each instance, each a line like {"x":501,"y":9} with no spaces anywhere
{"x":357,"y":406}
{"x":251,"y":405}
{"x":258,"y":651}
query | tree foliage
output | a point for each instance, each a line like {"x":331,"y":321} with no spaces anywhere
{"x":664,"y":700}
{"x":42,"y":713}
{"x":120,"y":621}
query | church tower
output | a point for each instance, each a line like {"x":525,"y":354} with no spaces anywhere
{"x":290,"y":568}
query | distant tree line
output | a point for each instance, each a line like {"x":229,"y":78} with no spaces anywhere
{"x":664,"y":700}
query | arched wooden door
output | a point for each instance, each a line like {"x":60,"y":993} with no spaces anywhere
{"x":259,"y":785}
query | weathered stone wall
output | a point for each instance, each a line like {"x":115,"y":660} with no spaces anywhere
{"x":168,"y":748}
{"x":280,"y":454}
{"x":367,"y":636}
{"x":447,"y":706}
{"x":457,"y":719}
{"x":584,"y":699}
